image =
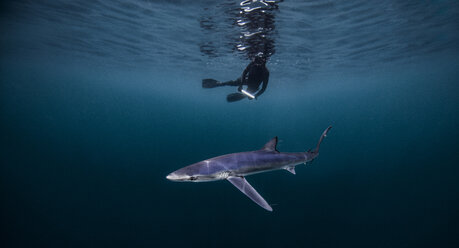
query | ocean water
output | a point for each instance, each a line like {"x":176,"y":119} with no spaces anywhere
{"x":100,"y":100}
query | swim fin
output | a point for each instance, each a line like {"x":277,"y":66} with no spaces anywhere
{"x":233,"y":97}
{"x":210,"y":83}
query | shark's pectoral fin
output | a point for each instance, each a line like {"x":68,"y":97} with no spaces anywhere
{"x":291,"y":169}
{"x":248,"y":190}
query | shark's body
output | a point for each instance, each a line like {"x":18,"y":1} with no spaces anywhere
{"x":235,"y":166}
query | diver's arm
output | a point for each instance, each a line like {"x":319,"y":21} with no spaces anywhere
{"x":265,"y":84}
{"x":244,"y":74}
{"x":243,"y":78}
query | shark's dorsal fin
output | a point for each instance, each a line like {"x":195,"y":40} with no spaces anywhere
{"x":271,"y":145}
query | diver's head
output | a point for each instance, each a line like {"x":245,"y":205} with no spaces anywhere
{"x":259,"y":59}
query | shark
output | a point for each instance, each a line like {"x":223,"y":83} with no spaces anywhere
{"x":235,"y":167}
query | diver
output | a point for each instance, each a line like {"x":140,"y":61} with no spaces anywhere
{"x":254,"y":74}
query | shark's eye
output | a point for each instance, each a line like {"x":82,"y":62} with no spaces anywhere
{"x":192,"y":178}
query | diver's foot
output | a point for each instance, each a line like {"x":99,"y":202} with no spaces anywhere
{"x":210,"y":83}
{"x":234,"y":97}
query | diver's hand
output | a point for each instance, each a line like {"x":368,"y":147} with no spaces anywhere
{"x":239,"y":88}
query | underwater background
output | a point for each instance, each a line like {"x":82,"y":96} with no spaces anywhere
{"x":100,"y":100}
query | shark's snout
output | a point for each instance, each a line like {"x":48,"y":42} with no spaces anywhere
{"x":173,"y":177}
{"x":179,"y":176}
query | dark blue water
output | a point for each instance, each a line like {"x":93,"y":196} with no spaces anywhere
{"x":100,"y":100}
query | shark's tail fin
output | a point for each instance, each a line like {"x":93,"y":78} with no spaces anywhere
{"x":324,"y":134}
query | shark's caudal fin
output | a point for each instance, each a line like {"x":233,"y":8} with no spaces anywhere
{"x":248,"y":190}
{"x":324,"y":134}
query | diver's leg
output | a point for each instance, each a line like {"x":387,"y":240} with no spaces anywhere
{"x":236,"y":82}
{"x":252,"y":87}
{"x":212,"y":83}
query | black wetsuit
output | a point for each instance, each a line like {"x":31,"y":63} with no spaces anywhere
{"x":253,"y":75}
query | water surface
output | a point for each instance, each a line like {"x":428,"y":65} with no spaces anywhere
{"x":100,"y":100}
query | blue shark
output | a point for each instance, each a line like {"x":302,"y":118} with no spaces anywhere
{"x":235,"y":167}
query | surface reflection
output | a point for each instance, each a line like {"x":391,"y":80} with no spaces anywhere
{"x":255,"y":22}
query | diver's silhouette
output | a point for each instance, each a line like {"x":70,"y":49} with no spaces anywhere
{"x":256,"y":22}
{"x":254,"y":74}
